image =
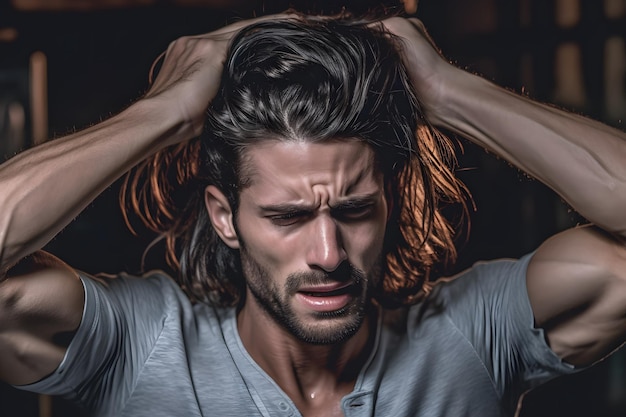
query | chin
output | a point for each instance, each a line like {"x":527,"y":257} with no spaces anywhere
{"x":327,"y":328}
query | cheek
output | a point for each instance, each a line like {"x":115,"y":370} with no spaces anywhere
{"x":364,"y":244}
{"x":262,"y":243}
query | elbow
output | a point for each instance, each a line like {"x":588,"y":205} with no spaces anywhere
{"x":605,"y":206}
{"x":615,"y":207}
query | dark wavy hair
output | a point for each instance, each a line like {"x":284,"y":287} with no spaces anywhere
{"x":314,"y":80}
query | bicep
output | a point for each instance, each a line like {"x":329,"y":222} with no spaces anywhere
{"x":40,"y":301}
{"x":577,"y":288}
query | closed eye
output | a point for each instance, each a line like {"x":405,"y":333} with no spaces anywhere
{"x":289,"y":218}
{"x":350,"y":212}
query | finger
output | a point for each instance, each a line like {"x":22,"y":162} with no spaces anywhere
{"x":225,"y":33}
{"x":237,"y":26}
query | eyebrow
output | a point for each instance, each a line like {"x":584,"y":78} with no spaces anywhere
{"x":345,"y":204}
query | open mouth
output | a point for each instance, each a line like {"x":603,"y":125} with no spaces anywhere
{"x":340,"y":291}
{"x":329,"y":292}
{"x":327,"y":299}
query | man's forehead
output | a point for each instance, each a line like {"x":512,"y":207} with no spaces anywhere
{"x":348,"y":162}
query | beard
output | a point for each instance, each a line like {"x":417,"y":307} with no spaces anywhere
{"x":320,"y":328}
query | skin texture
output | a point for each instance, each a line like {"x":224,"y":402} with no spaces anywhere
{"x":40,"y":194}
{"x":29,"y":344}
{"x":576,"y":280}
{"x":312,"y":212}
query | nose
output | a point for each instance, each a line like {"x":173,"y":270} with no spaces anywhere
{"x":325,"y":246}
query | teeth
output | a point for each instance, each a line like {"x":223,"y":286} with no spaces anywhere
{"x":328,"y":293}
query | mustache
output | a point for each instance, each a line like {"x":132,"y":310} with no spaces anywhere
{"x":346,"y":272}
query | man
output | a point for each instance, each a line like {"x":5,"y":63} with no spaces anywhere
{"x":321,"y":209}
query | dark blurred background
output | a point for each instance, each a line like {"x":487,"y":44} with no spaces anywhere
{"x":66,"y":64}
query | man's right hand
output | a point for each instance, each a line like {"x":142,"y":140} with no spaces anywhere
{"x":190,"y":71}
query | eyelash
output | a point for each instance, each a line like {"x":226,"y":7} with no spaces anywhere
{"x":288,"y":219}
{"x":354,"y":213}
{"x":345,"y":214}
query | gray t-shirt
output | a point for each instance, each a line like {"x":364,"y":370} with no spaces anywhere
{"x":469,"y":349}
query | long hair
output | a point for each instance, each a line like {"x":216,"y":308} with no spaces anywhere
{"x":314,"y":80}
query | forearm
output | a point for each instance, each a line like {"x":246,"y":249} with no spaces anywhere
{"x":44,"y":188}
{"x":582,"y":160}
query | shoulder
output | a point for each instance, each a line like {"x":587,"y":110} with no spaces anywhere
{"x":127,"y":320}
{"x":477,"y":298}
{"x":152,"y":290}
{"x":483,"y":281}
{"x":150,"y":305}
{"x":126,"y":309}
{"x":490,"y":299}
{"x":486,"y":311}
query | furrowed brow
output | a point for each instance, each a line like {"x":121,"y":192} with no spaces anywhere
{"x":356,"y":202}
{"x":348,"y":203}
{"x":285,"y":208}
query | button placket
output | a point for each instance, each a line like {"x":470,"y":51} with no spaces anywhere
{"x":284,"y":408}
{"x":360,"y":405}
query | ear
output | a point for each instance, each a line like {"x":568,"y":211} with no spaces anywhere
{"x":221,"y":215}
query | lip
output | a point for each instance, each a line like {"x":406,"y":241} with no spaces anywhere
{"x":326,"y":298}
{"x":325,"y":288}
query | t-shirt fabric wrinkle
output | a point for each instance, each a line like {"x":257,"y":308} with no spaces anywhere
{"x":469,"y":348}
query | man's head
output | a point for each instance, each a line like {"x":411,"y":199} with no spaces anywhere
{"x":309,"y":229}
{"x":306,"y":89}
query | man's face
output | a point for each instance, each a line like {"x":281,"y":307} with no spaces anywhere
{"x":310,"y":227}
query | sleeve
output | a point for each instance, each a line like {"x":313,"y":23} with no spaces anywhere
{"x":122,"y":319}
{"x":489,"y":304}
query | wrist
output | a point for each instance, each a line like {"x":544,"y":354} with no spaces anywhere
{"x":167,"y":125}
{"x":454,"y":91}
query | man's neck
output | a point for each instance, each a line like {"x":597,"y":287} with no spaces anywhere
{"x":311,"y":375}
